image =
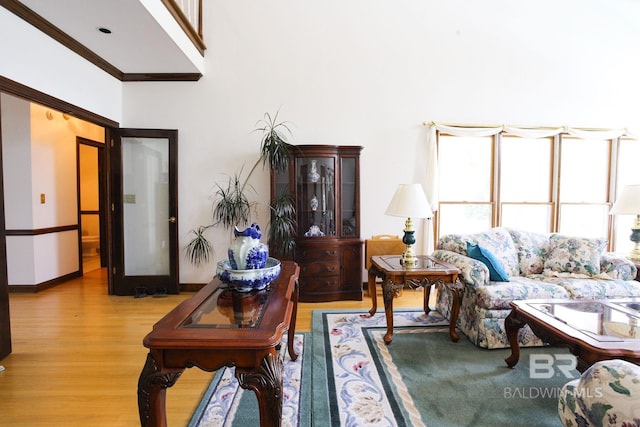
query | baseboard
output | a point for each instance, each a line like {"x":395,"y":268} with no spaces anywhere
{"x":44,"y":285}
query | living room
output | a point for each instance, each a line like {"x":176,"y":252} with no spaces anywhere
{"x":357,"y":73}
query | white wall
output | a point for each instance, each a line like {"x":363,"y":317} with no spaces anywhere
{"x":35,"y":60}
{"x":369,"y":72}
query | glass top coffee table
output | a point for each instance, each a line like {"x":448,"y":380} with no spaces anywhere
{"x":593,"y":330}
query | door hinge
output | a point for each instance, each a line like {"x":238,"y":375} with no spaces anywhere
{"x":112,"y":143}
{"x":114,"y":271}
{"x":113,"y":207}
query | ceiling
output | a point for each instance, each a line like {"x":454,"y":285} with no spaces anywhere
{"x":137,"y":43}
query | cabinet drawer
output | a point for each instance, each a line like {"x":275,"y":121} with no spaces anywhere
{"x":320,"y":269}
{"x":319,"y":285}
{"x":320,"y":254}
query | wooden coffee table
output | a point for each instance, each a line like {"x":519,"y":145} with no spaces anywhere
{"x":218,"y":327}
{"x":429,"y":271}
{"x":594,"y":330}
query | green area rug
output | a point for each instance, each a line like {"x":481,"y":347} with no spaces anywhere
{"x":424,"y":379}
{"x":347,"y":376}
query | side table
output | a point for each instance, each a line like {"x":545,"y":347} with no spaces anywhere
{"x":428,"y":272}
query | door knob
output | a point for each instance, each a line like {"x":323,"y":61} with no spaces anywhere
{"x":172,"y":219}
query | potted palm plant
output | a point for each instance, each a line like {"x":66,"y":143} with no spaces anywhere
{"x":232,"y":206}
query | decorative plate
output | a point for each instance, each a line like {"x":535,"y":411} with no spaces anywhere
{"x":248,"y":280}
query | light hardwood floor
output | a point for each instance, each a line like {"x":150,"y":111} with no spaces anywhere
{"x":77,"y":354}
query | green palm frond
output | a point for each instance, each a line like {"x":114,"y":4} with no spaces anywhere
{"x":199,"y":250}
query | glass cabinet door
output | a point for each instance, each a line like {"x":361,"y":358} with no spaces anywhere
{"x":316,"y":196}
{"x":348,"y":192}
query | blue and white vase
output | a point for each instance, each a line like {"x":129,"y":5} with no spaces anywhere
{"x":313,"y":175}
{"x":314,"y":203}
{"x":247,"y":252}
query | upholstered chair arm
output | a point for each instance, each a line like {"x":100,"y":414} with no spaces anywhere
{"x":607,"y":391}
{"x":473,"y":272}
{"x":616,"y":266}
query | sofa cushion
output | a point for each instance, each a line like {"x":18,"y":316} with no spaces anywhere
{"x":595,"y":288}
{"x":497,"y":240}
{"x":484,"y":255}
{"x":573,"y":256}
{"x":498,"y":295}
{"x":532,"y":249}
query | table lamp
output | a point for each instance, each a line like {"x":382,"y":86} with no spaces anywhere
{"x":409,"y":201}
{"x":628,"y":203}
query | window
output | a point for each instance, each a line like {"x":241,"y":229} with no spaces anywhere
{"x":562,"y":182}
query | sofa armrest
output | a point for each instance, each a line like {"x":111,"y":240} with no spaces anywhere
{"x":616,"y":266}
{"x":473,"y":272}
{"x":606,"y":391}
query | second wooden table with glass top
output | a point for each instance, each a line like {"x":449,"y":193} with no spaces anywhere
{"x":593,"y":330}
{"x":428,"y":272}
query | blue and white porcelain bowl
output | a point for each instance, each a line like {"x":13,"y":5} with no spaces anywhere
{"x":248,"y":280}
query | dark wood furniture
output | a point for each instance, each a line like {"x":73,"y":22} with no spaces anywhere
{"x":324,"y":182}
{"x":593,"y":330}
{"x":218,"y":327}
{"x":637,"y":264}
{"x":429,"y":271}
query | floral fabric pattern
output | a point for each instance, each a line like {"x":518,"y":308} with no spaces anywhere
{"x":605,"y":395}
{"x":615,"y":267}
{"x":574,"y":255}
{"x":532,"y":249}
{"x":485,"y":304}
{"x":497,"y":240}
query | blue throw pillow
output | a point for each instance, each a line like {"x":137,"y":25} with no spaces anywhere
{"x":496,"y":271}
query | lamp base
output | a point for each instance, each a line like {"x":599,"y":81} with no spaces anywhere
{"x":408,"y":258}
{"x":635,"y":238}
{"x":635,"y":254}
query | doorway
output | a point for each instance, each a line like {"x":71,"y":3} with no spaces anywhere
{"x":91,"y":201}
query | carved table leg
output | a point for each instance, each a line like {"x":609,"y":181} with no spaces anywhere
{"x":292,"y":323}
{"x":426,"y":285}
{"x":512,"y":324}
{"x":373,"y":272}
{"x":152,"y":391}
{"x":266,"y":382}
{"x":458,"y":290}
{"x":389,"y":291}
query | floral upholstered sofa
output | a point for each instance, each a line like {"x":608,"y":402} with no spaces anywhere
{"x":528,"y":266}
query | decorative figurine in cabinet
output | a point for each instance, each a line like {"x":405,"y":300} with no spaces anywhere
{"x":323,"y":181}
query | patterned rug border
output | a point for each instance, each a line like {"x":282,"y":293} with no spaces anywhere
{"x":351,"y":344}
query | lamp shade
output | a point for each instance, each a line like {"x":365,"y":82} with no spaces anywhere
{"x":409,"y":201}
{"x":628,"y":202}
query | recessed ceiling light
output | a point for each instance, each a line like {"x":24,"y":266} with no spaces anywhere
{"x":104,"y":30}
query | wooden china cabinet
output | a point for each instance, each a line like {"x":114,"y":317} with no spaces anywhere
{"x":325,"y":185}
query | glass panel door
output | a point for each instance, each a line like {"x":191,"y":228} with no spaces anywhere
{"x":145,"y":213}
{"x":145,"y":209}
